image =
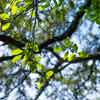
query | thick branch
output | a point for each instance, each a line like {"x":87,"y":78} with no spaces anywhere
{"x":67,"y":33}
{"x":72,"y":28}
{"x":6,"y":58}
{"x":95,"y":56}
{"x":9,"y":40}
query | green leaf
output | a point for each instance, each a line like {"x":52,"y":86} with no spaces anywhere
{"x":39,"y":85}
{"x":13,"y":9}
{"x":39,"y":66}
{"x":49,"y":74}
{"x":16,"y":58}
{"x":25,"y":58}
{"x":75,"y":47}
{"x":32,"y":67}
{"x":60,"y":16}
{"x":67,"y":43}
{"x":5,"y":26}
{"x":35,"y":47}
{"x":82,"y":54}
{"x":71,"y":57}
{"x":41,"y":8}
{"x":57,"y":49}
{"x":27,"y":2}
{"x":37,"y":58}
{"x":65,"y":56}
{"x":32,"y":13}
{"x":98,"y":20}
{"x":4,"y":16}
{"x":16,"y":51}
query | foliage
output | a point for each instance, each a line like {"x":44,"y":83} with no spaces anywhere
{"x":93,"y":11}
{"x":37,"y":35}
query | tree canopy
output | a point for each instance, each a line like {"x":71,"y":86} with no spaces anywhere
{"x":49,"y":49}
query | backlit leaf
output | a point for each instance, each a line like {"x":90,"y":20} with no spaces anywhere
{"x":67,"y":43}
{"x":4,"y":16}
{"x":39,"y":66}
{"x":25,"y":58}
{"x":39,"y":85}
{"x":71,"y":57}
{"x":82,"y":54}
{"x":32,"y":13}
{"x":35,"y":47}
{"x":16,"y":51}
{"x":16,"y":58}
{"x":49,"y":74}
{"x":37,"y":58}
{"x":13,"y":9}
{"x":5,"y":26}
{"x":65,"y":56}
{"x":57,"y":49}
{"x":41,"y":8}
{"x":75,"y":47}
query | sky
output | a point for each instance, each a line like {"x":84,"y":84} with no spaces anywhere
{"x":77,"y":39}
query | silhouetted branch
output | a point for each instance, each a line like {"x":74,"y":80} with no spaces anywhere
{"x":67,"y":33}
{"x":72,"y":28}
{"x":95,"y":56}
{"x":12,"y":41}
{"x":6,"y":58}
{"x":57,"y":69}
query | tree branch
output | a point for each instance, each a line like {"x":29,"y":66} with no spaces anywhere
{"x":95,"y":56}
{"x":10,"y":40}
{"x":67,"y":33}
{"x":6,"y":58}
{"x":71,"y":28}
{"x":57,"y":69}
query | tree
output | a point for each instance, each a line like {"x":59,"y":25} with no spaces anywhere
{"x":39,"y":52}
